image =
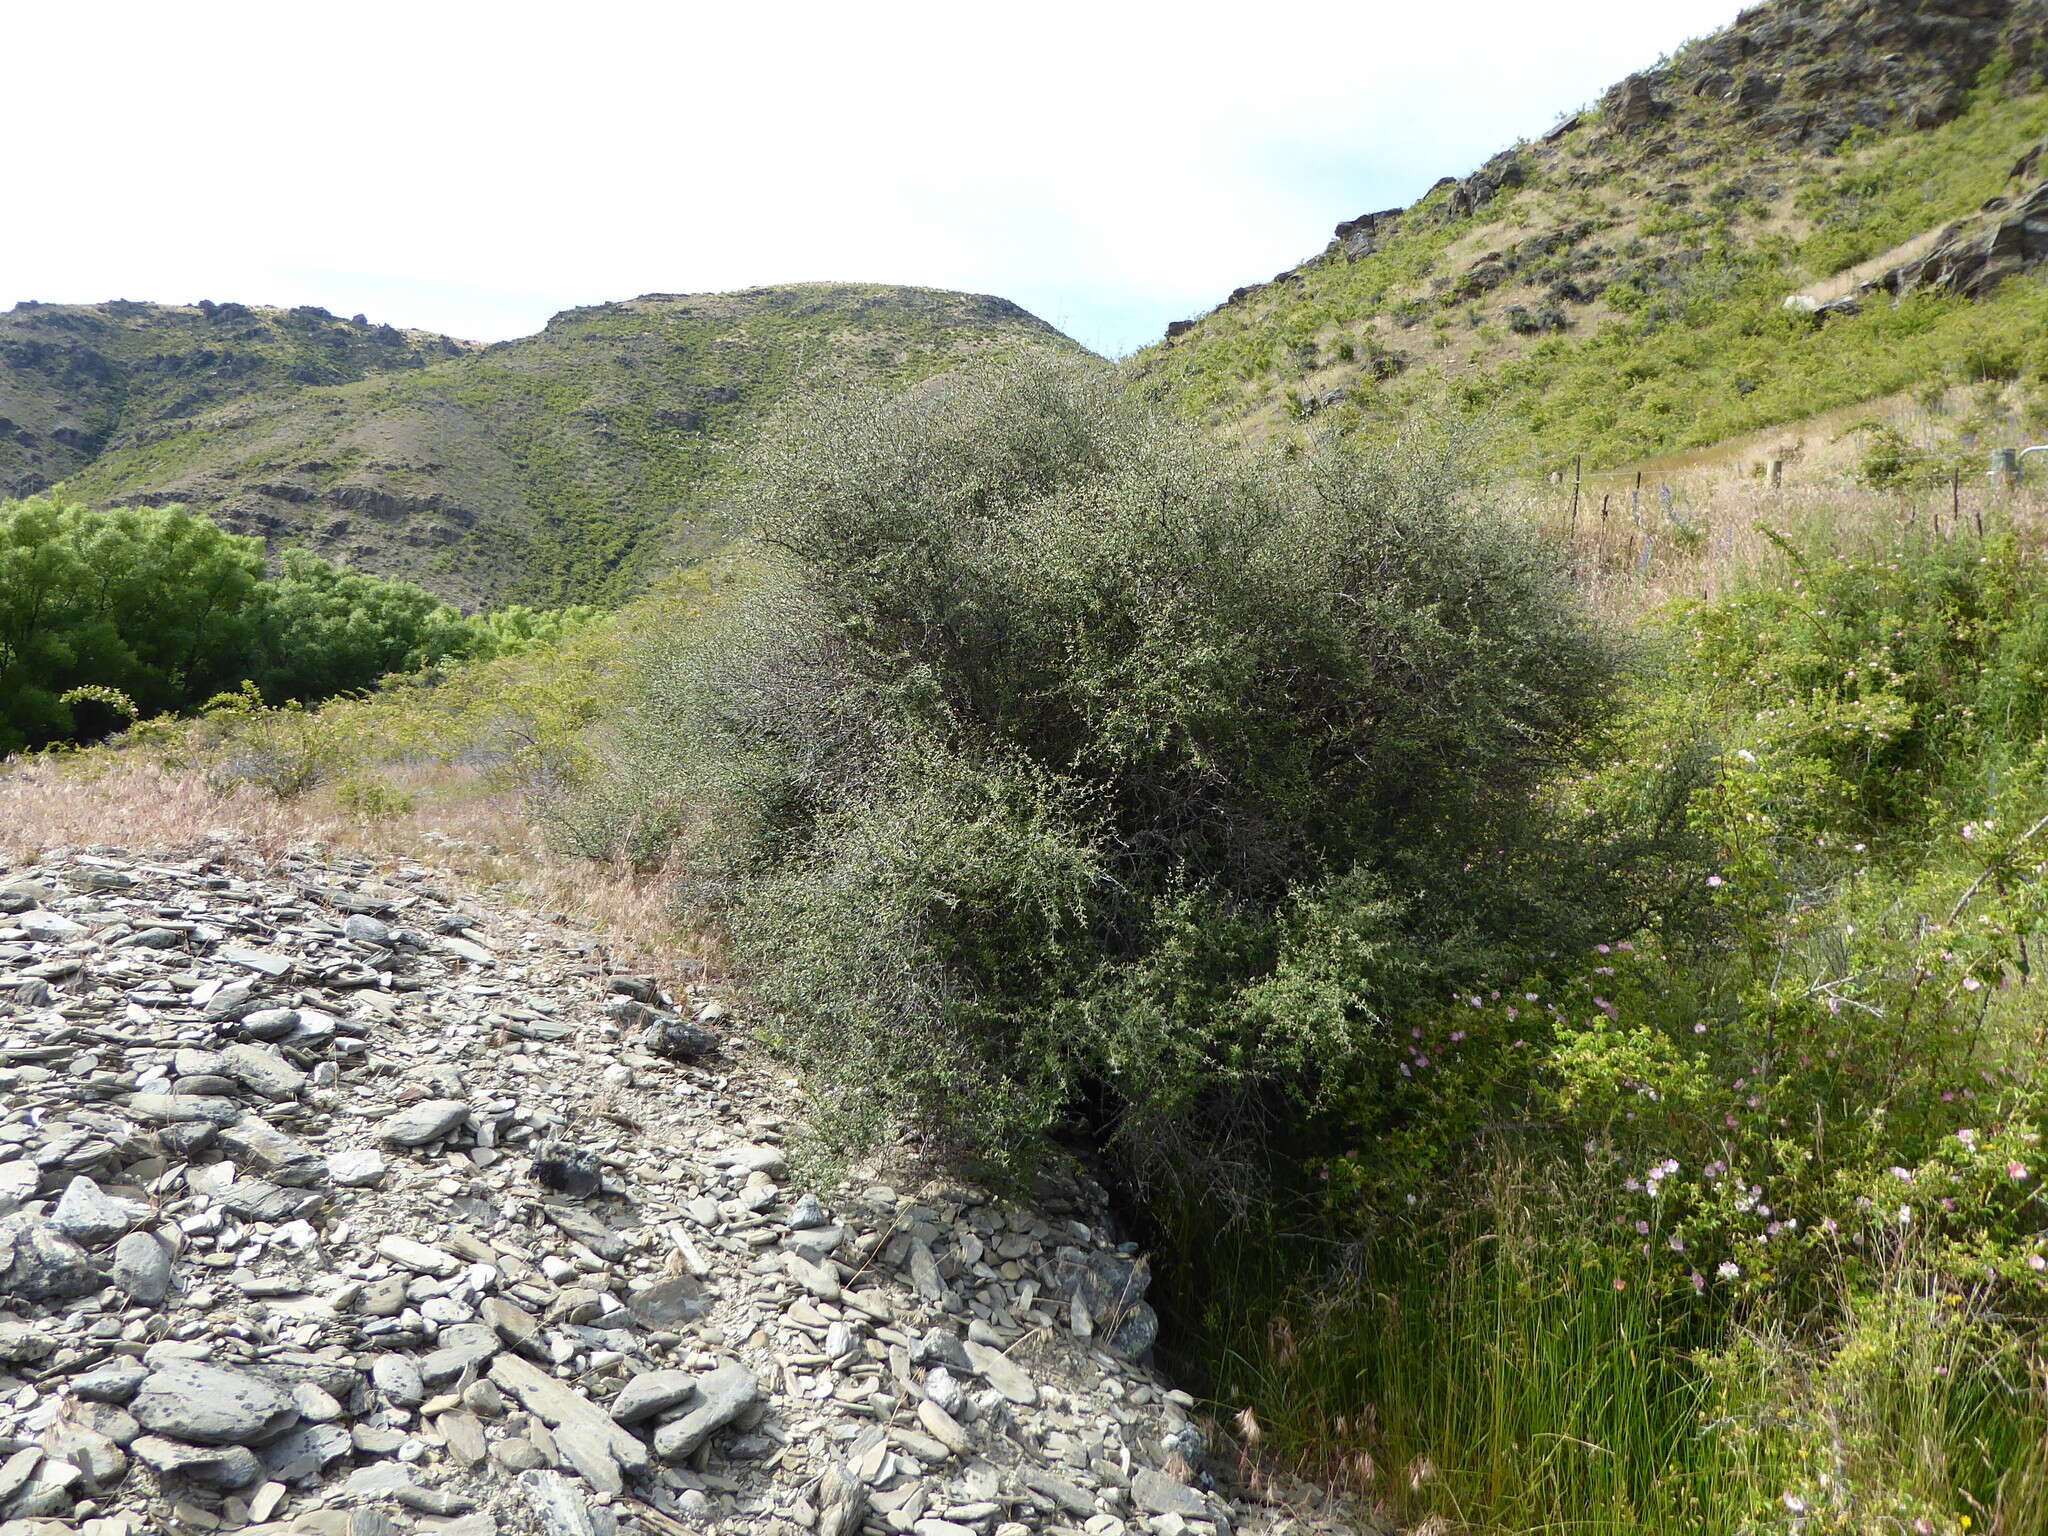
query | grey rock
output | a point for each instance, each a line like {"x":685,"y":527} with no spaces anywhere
{"x":467,"y":949}
{"x":924,"y":1274}
{"x":821,"y":1280}
{"x":102,"y":1461}
{"x":89,"y":1215}
{"x":842,"y":1501}
{"x":814,"y":1243}
{"x":25,"y":1343}
{"x":398,"y":1378}
{"x":514,"y":1323}
{"x":219,"y":1466}
{"x":142,"y":1268}
{"x":1159,"y":1494}
{"x":49,"y":927}
{"x":365,"y":929}
{"x":233,"y":1001}
{"x":589,"y":1230}
{"x":212,"y":1405}
{"x":943,"y":1388}
{"x":114,"y":1382}
{"x":1074,"y":1500}
{"x":256,"y":1143}
{"x":261,"y":1200}
{"x":942,"y":1346}
{"x":378,"y":1480}
{"x":1002,"y":1373}
{"x":723,"y":1395}
{"x":164,"y":1108}
{"x":304,"y":1453}
{"x":807,"y":1213}
{"x":357,"y":1168}
{"x":418,"y":1256}
{"x":39,"y":1263}
{"x":557,"y":1404}
{"x":652,"y":1392}
{"x":440,"y":1502}
{"x":418,"y":1124}
{"x":587,"y":1448}
{"x":515,"y":1453}
{"x":186,"y":1138}
{"x":772,"y":1161}
{"x":678,"y":1299}
{"x":465,"y":1436}
{"x":269,"y":1023}
{"x":463,"y":1347}
{"x":17,"y":1470}
{"x":263,"y":1072}
{"x":18,"y":896}
{"x":561,"y":1510}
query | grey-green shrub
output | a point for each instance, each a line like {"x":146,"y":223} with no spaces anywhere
{"x":1066,"y":767}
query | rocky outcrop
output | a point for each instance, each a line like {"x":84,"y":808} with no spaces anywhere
{"x":1633,"y":107}
{"x":1970,"y":258}
{"x":330,"y":1203}
{"x":2013,"y":239}
{"x":1360,"y":237}
{"x":1811,"y":72}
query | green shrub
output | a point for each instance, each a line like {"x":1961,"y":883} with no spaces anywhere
{"x":1068,"y":768}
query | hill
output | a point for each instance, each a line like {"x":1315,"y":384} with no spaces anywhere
{"x":560,"y":467}
{"x":1829,"y":201}
{"x":78,"y":380}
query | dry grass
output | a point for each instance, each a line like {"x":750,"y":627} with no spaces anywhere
{"x":1639,"y":557}
{"x":485,"y":841}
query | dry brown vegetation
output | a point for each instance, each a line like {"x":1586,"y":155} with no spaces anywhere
{"x":455,"y":823}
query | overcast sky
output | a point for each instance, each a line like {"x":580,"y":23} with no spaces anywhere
{"x":474,"y":168}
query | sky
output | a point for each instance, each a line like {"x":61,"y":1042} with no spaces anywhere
{"x":472,"y":168}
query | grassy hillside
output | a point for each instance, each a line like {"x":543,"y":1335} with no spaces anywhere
{"x":79,"y":379}
{"x":1618,"y":287}
{"x":561,"y":467}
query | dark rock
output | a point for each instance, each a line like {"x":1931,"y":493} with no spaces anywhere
{"x":39,"y":1263}
{"x":567,"y":1170}
{"x":640,"y":988}
{"x":678,"y":1040}
{"x":1632,"y":107}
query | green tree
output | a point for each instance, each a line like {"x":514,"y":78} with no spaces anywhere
{"x":151,"y":602}
{"x":326,"y":630}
